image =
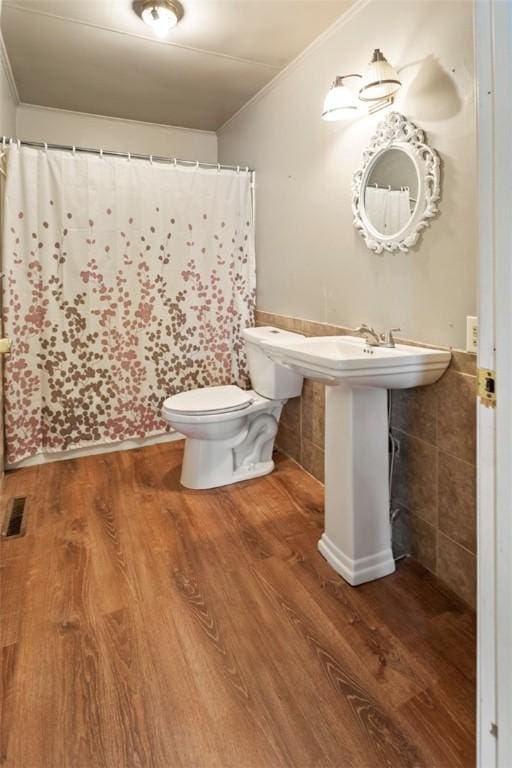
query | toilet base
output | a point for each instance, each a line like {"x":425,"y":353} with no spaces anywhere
{"x":246,"y":454}
{"x":192,"y":480}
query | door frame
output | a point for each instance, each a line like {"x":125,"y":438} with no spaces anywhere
{"x":493,"y":41}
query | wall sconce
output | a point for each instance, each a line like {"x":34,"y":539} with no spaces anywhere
{"x":378,"y":88}
{"x":340,"y":102}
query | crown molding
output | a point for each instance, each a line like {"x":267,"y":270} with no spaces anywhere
{"x":298,"y":60}
{"x":6,"y":64}
{"x":140,"y":36}
{"x":146,"y":124}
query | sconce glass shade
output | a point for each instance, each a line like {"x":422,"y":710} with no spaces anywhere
{"x":160,"y":15}
{"x":340,"y":103}
{"x":380,"y":80}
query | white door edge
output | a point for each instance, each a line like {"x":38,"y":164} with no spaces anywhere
{"x":493,"y":35}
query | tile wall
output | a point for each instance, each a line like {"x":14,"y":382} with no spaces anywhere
{"x":434,"y":477}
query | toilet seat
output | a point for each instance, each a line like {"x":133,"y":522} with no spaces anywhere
{"x":208,"y":401}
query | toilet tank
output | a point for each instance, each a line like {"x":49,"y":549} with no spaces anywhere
{"x":267,"y":377}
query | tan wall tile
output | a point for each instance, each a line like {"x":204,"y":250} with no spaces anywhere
{"x":313,"y":412}
{"x":262,"y":318}
{"x":289,"y":442}
{"x":457,"y":500}
{"x":311,"y":328}
{"x":457,"y":567}
{"x":423,"y":538}
{"x":415,"y":477}
{"x":323,"y":329}
{"x":291,"y":415}
{"x":400,"y":532}
{"x":313,"y":459}
{"x":415,"y":411}
{"x":294,"y":324}
{"x":463,"y":362}
{"x":300,"y":325}
{"x":456,"y":415}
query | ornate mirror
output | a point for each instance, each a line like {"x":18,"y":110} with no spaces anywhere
{"x":395,"y":193}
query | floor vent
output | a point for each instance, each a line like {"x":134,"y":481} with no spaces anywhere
{"x":14,"y":524}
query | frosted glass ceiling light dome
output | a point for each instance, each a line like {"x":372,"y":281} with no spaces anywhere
{"x":380,"y":80}
{"x":340,"y":103}
{"x":160,"y":15}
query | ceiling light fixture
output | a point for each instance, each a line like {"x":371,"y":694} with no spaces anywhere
{"x":379,"y":85}
{"x":160,"y":15}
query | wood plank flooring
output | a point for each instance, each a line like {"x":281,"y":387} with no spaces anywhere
{"x":146,"y":626}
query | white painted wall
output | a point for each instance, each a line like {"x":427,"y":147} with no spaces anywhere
{"x":7,"y":97}
{"x":311,"y":261}
{"x":8,"y":101}
{"x":58,"y":126}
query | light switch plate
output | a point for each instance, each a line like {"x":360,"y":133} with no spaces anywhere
{"x":5,"y":346}
{"x":472,"y":334}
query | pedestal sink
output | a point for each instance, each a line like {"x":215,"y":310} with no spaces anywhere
{"x":357,"y":537}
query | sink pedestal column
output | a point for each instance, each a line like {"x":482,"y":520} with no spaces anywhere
{"x":357,"y":537}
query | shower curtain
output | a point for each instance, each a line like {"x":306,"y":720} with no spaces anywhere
{"x":126,"y":281}
{"x":389,"y":210}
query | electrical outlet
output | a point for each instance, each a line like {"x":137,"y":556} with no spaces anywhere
{"x":472,"y":334}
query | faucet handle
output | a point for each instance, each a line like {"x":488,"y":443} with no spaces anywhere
{"x":388,"y":340}
{"x":370,"y":334}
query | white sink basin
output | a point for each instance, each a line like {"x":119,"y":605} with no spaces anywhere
{"x":357,"y":537}
{"x":336,"y":359}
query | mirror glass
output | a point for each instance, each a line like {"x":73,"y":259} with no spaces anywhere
{"x":391,"y":192}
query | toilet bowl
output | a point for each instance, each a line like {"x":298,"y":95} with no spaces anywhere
{"x":229,"y":431}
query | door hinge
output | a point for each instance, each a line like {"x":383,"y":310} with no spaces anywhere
{"x":5,"y":346}
{"x":487,"y":387}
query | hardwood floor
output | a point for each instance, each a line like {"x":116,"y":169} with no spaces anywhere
{"x":148,"y":626}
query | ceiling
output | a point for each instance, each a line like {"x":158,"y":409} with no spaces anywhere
{"x":98,"y":56}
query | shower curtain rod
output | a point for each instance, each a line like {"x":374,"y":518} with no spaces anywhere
{"x":152,"y":158}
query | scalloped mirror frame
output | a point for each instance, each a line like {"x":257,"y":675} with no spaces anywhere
{"x":397,"y":132}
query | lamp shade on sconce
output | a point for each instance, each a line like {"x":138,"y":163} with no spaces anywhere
{"x":340,"y":103}
{"x":380,"y":80}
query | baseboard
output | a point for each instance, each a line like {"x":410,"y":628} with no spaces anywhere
{"x":77,"y":453}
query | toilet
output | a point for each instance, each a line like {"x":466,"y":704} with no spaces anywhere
{"x":229,"y":431}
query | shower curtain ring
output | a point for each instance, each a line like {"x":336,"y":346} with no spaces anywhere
{"x":45,"y":148}
{"x":197,"y":165}
{"x":101,"y":154}
{"x":175,"y":161}
{"x":218,"y":167}
{"x":74,"y":151}
{"x":128,"y":156}
{"x":19,"y":144}
{"x":3,"y":142}
{"x":238,"y":169}
{"x":151,"y":159}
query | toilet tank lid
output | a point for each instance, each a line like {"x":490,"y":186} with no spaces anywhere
{"x":256,"y":335}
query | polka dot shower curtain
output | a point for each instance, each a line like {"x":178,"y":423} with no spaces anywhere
{"x":126,"y":282}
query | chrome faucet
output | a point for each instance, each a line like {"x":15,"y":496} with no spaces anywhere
{"x":370,"y":334}
{"x":374,"y":339}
